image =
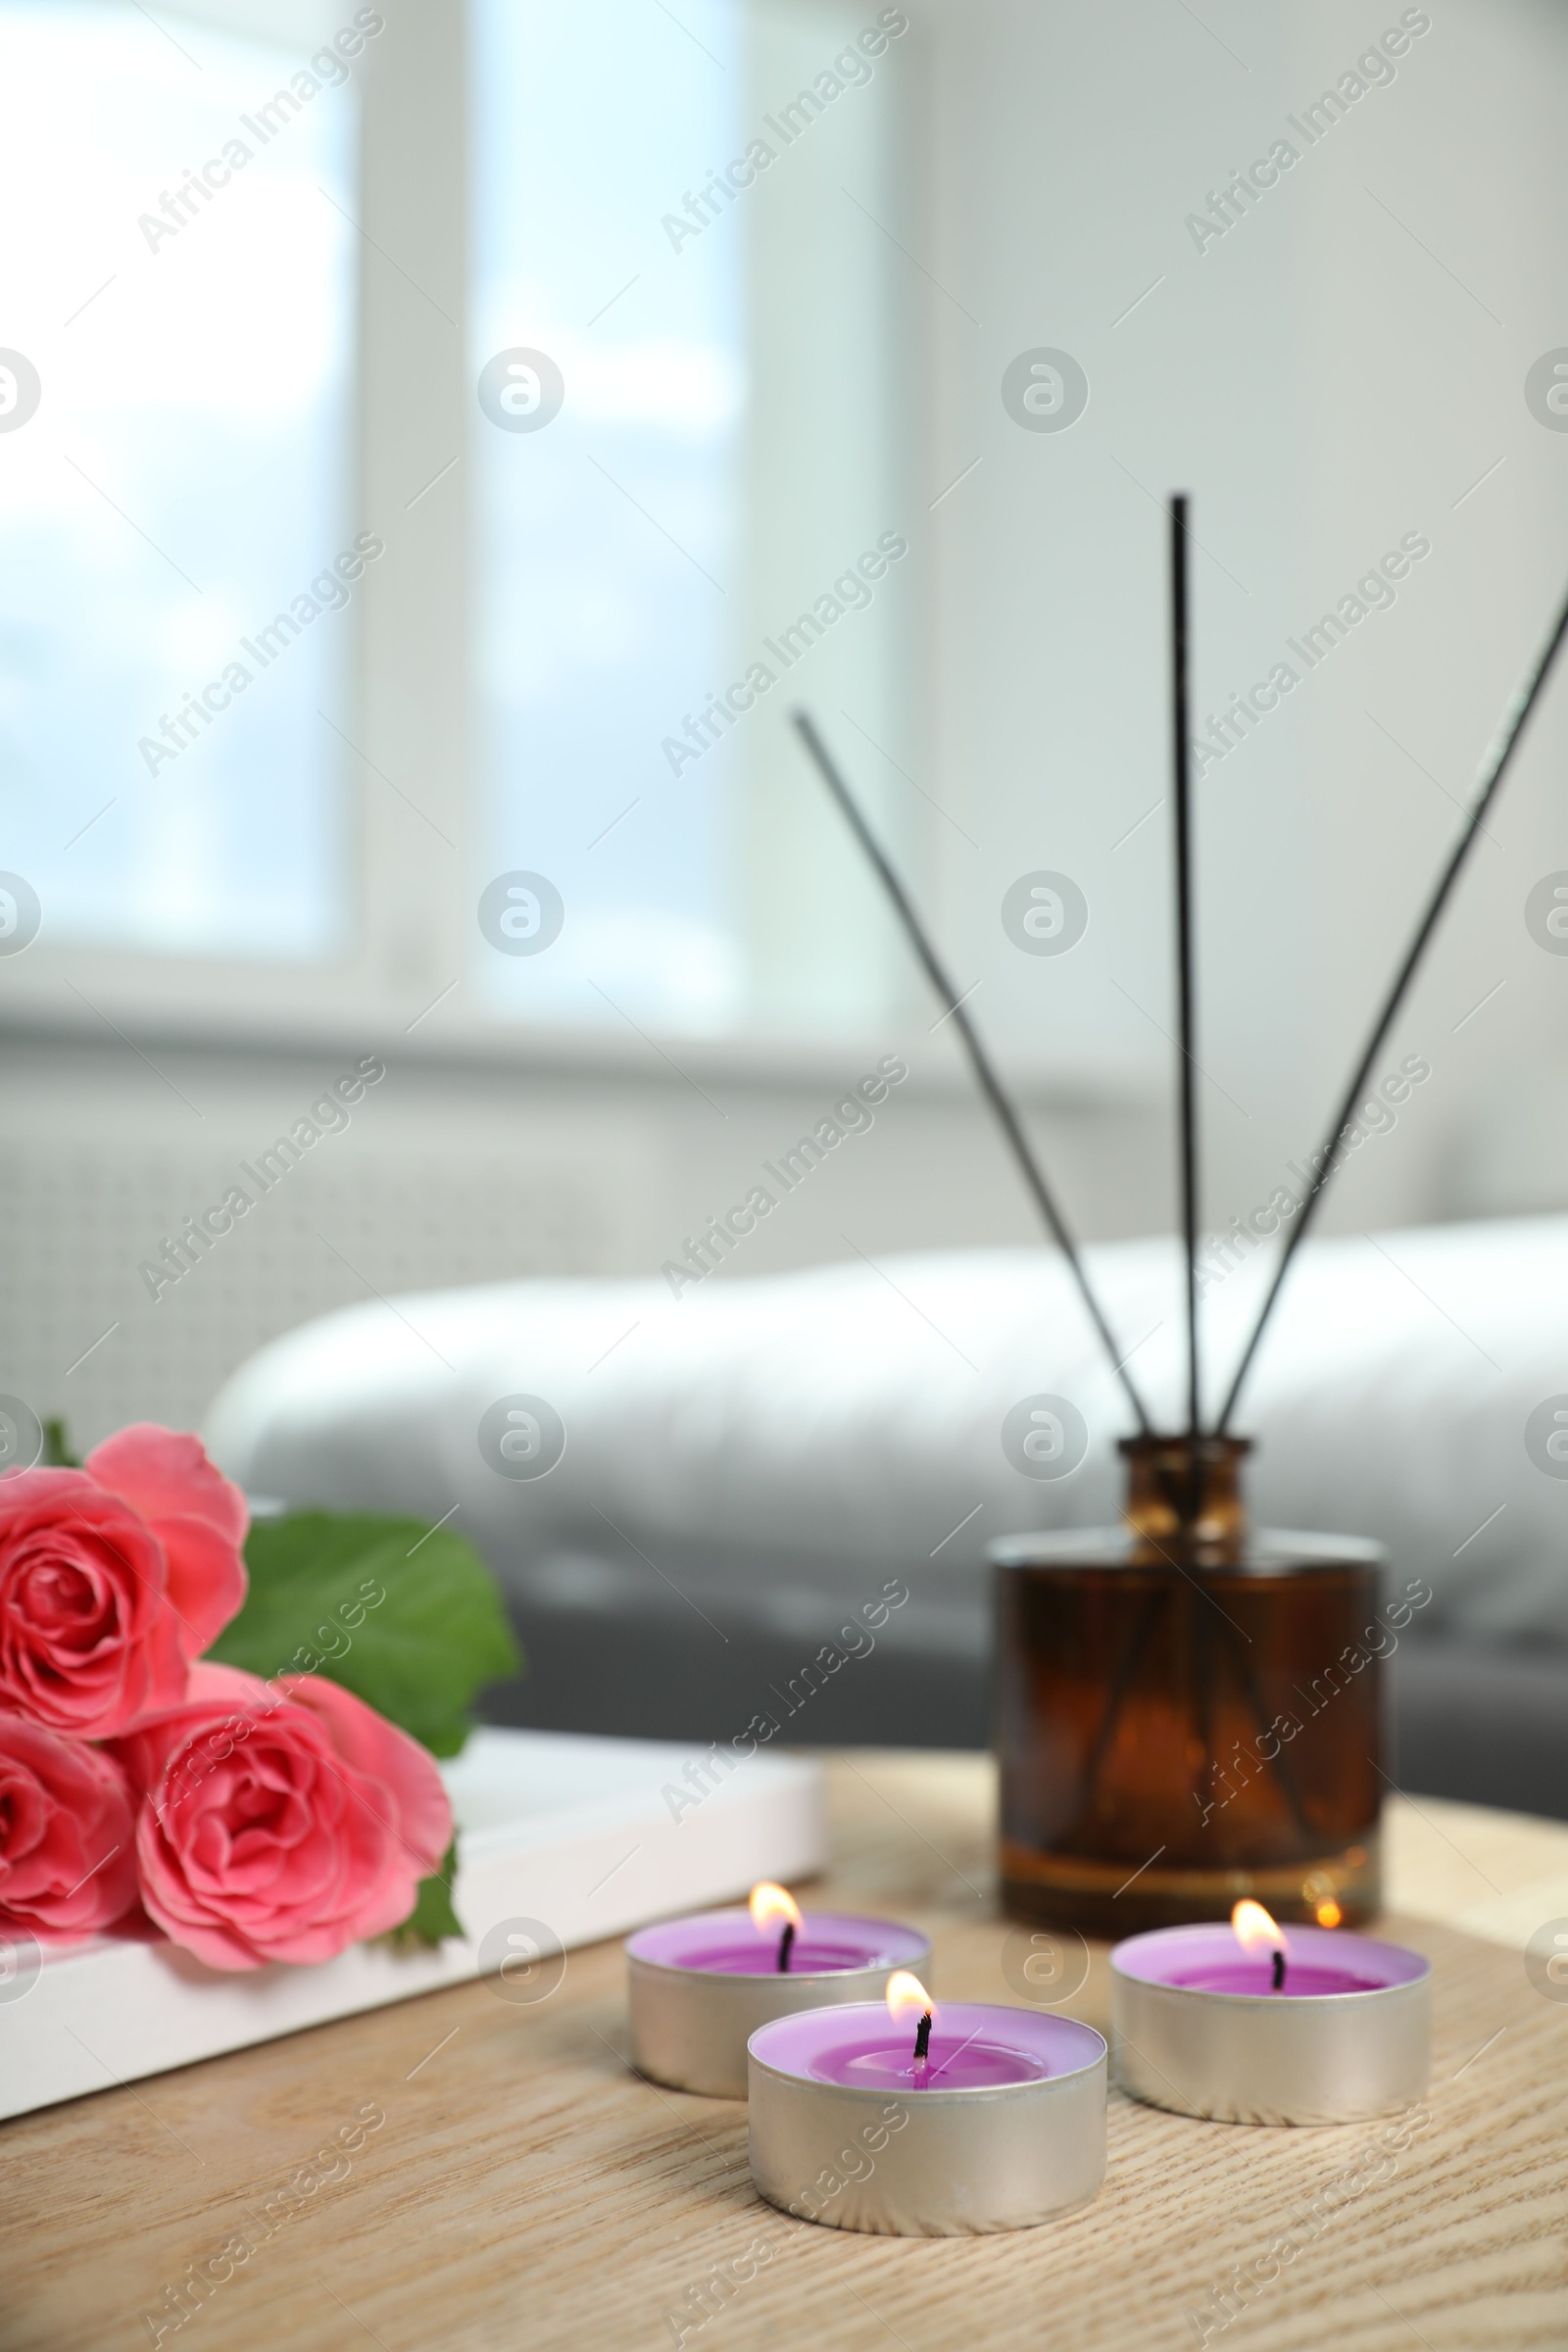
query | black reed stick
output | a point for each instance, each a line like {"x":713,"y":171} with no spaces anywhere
{"x":1184,"y":945}
{"x":1333,"y":1151}
{"x":980,"y":1062}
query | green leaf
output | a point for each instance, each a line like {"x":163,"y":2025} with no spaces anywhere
{"x":406,"y":1617}
{"x":57,"y":1453}
{"x":433,"y":1916}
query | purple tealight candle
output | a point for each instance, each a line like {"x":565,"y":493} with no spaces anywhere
{"x":919,"y":2121}
{"x":1249,"y":2024}
{"x":698,"y":1987}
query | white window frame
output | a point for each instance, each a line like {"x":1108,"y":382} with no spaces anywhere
{"x":406,"y":685}
{"x":411,"y":793}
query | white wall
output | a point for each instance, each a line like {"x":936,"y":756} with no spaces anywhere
{"x":1321,"y":383}
{"x":445,"y":1176}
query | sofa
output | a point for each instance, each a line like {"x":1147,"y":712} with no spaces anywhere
{"x":700,"y":1496}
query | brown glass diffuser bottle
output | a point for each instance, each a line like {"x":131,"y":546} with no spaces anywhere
{"x":1184,"y":1715}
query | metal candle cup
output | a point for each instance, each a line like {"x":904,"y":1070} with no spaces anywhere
{"x":1198,"y":2028}
{"x":698,"y":1987}
{"x":1004,"y":2127}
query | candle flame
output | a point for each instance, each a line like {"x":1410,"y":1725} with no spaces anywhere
{"x":768,"y":1902}
{"x":1329,"y":1914}
{"x":906,"y":1996}
{"x":1255,"y":1930}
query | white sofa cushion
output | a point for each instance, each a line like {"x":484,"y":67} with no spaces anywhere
{"x":849,"y":1418}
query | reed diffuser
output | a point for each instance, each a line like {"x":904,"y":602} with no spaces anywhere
{"x":1187,"y":1713}
{"x":1184,"y":1714}
{"x":1157,"y":1754}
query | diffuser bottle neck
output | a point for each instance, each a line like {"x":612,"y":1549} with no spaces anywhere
{"x":1183,"y":1499}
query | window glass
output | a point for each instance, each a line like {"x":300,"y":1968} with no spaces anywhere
{"x":174,"y":622}
{"x":683,"y":442}
{"x":608,"y":532}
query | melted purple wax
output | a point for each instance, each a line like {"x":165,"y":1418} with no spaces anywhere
{"x":1319,"y":1963}
{"x":807,"y":1953}
{"x":826,"y":1943}
{"x":1255,"y":1974}
{"x":974,"y":2046}
{"x":884,"y":2061}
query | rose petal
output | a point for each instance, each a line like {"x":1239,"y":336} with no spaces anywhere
{"x":113,"y":1578}
{"x":279,"y":1822}
{"x":387,"y":1756}
{"x":207,"y":1579}
{"x":68,"y":1847}
{"x":164,"y":1474}
{"x":88,"y":1639}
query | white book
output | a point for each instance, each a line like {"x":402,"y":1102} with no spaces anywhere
{"x":562,"y":1833}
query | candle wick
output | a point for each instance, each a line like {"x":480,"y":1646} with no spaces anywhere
{"x":922,"y":2039}
{"x":1279,"y":1972}
{"x":784,"y":1943}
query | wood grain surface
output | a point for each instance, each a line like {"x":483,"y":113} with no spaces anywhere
{"x":525,"y":2188}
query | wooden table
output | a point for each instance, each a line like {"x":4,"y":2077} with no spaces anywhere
{"x":525,"y":2190}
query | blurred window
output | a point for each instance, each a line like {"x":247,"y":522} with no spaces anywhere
{"x":172,"y":618}
{"x":233,"y":767}
{"x":672,"y":241}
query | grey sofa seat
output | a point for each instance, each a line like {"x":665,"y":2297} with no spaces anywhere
{"x":743,"y":1469}
{"x":612,"y":1650}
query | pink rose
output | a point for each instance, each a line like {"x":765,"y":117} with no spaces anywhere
{"x":113,"y":1579}
{"x":282,"y":1820}
{"x":68,"y":1835}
